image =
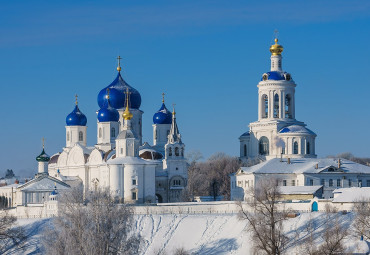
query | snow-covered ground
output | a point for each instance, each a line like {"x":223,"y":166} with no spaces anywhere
{"x":202,"y":233}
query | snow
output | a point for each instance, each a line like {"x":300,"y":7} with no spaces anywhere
{"x":129,"y":161}
{"x":207,"y":233}
{"x":305,"y":165}
{"x":298,"y":189}
{"x":350,"y":195}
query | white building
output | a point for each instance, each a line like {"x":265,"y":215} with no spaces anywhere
{"x":277,"y":132}
{"x":285,"y":145}
{"x":133,"y":171}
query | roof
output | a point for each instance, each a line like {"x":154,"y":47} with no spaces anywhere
{"x":305,"y":165}
{"x":350,"y":195}
{"x":129,"y":161}
{"x":296,"y":129}
{"x":246,"y":134}
{"x":287,"y":190}
{"x":43,"y":183}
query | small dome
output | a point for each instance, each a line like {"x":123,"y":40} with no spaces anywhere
{"x":295,"y":129}
{"x":43,"y":157}
{"x":54,"y":192}
{"x":276,"y":49}
{"x":117,"y":94}
{"x":276,"y":76}
{"x":108,"y":113}
{"x":162,"y":116}
{"x":76,"y":118}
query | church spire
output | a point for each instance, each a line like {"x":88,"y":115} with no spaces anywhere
{"x":174,"y":136}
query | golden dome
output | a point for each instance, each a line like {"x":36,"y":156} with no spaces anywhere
{"x":276,"y":49}
{"x":127,"y":115}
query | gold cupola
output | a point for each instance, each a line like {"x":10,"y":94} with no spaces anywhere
{"x":276,"y":49}
{"x":127,"y":115}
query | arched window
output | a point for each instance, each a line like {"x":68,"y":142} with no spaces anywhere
{"x":264,"y":146}
{"x":100,"y":133}
{"x":113,"y":132}
{"x":276,"y":106}
{"x":170,"y":151}
{"x":245,"y":150}
{"x":80,"y":136}
{"x":67,"y":136}
{"x":288,"y":110}
{"x":295,"y":148}
{"x":177,"y":151}
{"x":308,"y":148}
{"x":182,"y":152}
{"x":265,"y":102}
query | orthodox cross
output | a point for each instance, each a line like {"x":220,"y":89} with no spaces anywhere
{"x":163,"y":97}
{"x":76,"y":96}
{"x":119,"y":63}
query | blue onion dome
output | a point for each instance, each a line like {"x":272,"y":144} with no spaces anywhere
{"x":76,"y":118}
{"x":162,"y":116}
{"x":43,"y":157}
{"x":276,"y":76}
{"x":107,"y":113}
{"x":117,"y":94}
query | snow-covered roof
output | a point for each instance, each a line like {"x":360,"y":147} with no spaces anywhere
{"x":44,"y":183}
{"x":288,"y":190}
{"x":350,"y":195}
{"x":305,"y":165}
{"x":129,"y":161}
{"x":296,"y":129}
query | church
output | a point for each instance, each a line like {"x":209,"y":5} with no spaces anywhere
{"x":134,"y":172}
{"x":285,"y":146}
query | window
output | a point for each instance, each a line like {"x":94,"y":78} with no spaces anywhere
{"x":367,"y":183}
{"x":182,"y":152}
{"x":311,"y":182}
{"x":265,"y":77}
{"x":67,"y":136}
{"x":293,"y":182}
{"x":349,"y":182}
{"x":178,"y":183}
{"x":338,"y":182}
{"x":264,"y":146}
{"x":170,"y":151}
{"x":100,"y":133}
{"x":80,"y":136}
{"x":265,"y":102}
{"x":155,"y":134}
{"x":121,"y":150}
{"x":308,"y":148}
{"x":295,"y":148}
{"x":134,"y":182}
{"x":113,"y":132}
{"x":360,"y":183}
{"x":322,"y":182}
{"x":330,"y":182}
{"x":177,"y":151}
{"x":279,"y":63}
{"x":284,"y":182}
{"x":288,"y":110}
{"x":134,"y":195}
{"x":245,"y":150}
{"x":276,"y":106}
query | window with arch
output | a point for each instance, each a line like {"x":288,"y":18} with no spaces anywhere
{"x":288,"y":107}
{"x":182,"y":152}
{"x":177,"y":151}
{"x":295,"y":148}
{"x":330,"y":182}
{"x":80,"y":136}
{"x":308,"y":151}
{"x":100,"y":133}
{"x":245,"y":150}
{"x":264,"y":146}
{"x":113,"y":132}
{"x":265,"y":103}
{"x":276,"y":106}
{"x":170,"y":151}
{"x":67,"y":136}
{"x":176,"y":182}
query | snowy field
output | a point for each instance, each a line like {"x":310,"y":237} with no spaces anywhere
{"x":202,"y":233}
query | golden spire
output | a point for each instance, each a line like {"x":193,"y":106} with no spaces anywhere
{"x":163,"y":97}
{"x":276,"y":49}
{"x":173,"y":112}
{"x":127,"y":115}
{"x":119,"y":64}
{"x":76,"y":96}
{"x":108,"y":93}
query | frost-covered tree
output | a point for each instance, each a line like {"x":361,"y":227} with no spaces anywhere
{"x":361,"y":224}
{"x":93,"y":225}
{"x":12,"y":237}
{"x":265,"y":221}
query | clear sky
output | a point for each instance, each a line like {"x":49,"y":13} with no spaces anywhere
{"x":207,"y":56}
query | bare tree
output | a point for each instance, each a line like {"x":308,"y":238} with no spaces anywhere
{"x":94,"y":225}
{"x":265,"y":218}
{"x":12,"y":237}
{"x":361,"y":224}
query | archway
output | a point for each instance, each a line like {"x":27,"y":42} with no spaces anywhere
{"x":315,"y":207}
{"x":158,"y":198}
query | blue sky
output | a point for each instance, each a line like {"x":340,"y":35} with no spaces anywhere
{"x":207,"y":56}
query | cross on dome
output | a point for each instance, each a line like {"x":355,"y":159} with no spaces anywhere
{"x":76,"y":96}
{"x":119,"y":64}
{"x":163,"y":97}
